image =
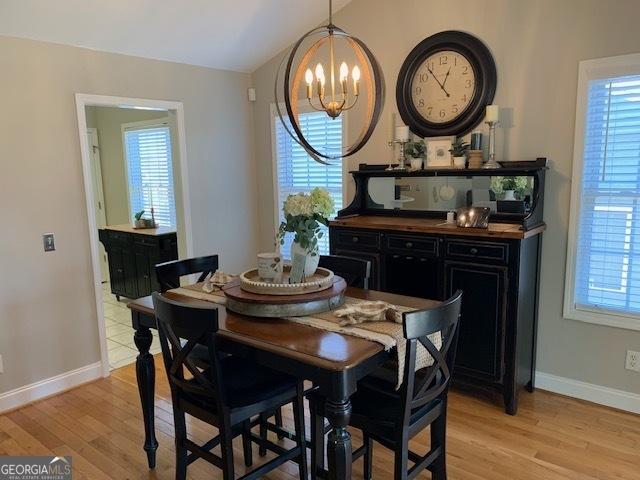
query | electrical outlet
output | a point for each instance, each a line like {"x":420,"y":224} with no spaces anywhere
{"x":633,"y":361}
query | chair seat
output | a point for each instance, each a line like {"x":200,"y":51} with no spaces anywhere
{"x":376,"y":400}
{"x":247,"y":384}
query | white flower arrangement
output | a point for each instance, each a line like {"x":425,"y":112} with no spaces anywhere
{"x":304,"y":214}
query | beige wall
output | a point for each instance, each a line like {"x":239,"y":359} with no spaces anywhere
{"x":109,"y":122}
{"x":48,"y":323}
{"x":537,"y":46}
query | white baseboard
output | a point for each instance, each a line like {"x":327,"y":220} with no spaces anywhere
{"x":610,"y":397}
{"x":49,"y":386}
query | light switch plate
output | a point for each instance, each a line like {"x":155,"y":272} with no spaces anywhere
{"x":1,"y":365}
{"x":49,"y":242}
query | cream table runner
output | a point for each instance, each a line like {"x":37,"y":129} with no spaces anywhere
{"x":388,"y":334}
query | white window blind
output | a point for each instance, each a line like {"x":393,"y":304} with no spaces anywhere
{"x":150,"y":172}
{"x":607,"y":268}
{"x":298,"y":172}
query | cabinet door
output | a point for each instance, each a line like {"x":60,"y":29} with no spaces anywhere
{"x":374,"y":258}
{"x":130,"y":273}
{"x":116,"y":270}
{"x":481,"y":335}
{"x":416,"y":276}
{"x":143,"y":276}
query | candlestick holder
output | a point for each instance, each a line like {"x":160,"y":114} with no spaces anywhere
{"x":401,"y":158}
{"x":491,"y":163}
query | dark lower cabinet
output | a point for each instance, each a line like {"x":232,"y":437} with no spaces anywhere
{"x":413,"y":275}
{"x":499,"y":278}
{"x":480,"y":347}
{"x":132,"y":259}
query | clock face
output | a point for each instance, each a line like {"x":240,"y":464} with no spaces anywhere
{"x":443,"y":86}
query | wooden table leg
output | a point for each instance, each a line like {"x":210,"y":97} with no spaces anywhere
{"x":146,"y":376}
{"x":339,"y":441}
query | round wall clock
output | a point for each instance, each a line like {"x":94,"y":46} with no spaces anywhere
{"x":445,"y":84}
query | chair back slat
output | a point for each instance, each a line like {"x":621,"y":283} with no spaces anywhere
{"x":169,"y":273}
{"x":355,"y":271}
{"x":433,"y":380}
{"x":196,"y":326}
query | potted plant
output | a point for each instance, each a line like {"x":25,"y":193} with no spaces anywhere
{"x":303,"y":215}
{"x":459,"y":149}
{"x":416,"y":151}
{"x":510,"y":188}
{"x":139,"y":222}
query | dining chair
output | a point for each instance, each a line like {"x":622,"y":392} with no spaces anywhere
{"x":355,"y":271}
{"x":392,"y":417}
{"x":169,"y":273}
{"x":226,"y":395}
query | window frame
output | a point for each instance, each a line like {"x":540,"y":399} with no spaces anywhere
{"x":589,"y":70}
{"x":273,"y":117}
{"x":141,"y":125}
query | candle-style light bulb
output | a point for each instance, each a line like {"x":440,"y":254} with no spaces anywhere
{"x":355,"y":74}
{"x":344,"y":73}
{"x":308,"y":76}
{"x":320,"y":73}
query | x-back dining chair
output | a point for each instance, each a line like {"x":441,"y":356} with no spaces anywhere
{"x":169,"y":273}
{"x":227,"y":394}
{"x":392,"y":417}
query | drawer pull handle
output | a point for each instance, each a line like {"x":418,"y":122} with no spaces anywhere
{"x":473,"y":251}
{"x":423,"y":259}
{"x":146,"y":277}
{"x":408,"y":244}
{"x":409,"y":258}
{"x":119,"y":270}
{"x":396,"y":256}
{"x":355,"y":239}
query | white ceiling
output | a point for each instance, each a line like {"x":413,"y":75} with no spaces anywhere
{"x":236,"y":35}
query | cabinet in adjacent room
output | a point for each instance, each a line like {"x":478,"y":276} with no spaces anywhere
{"x":133,"y":255}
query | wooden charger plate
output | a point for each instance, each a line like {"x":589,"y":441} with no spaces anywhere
{"x":261,"y":305}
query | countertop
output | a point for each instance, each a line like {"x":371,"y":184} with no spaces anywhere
{"x":435,"y":225}
{"x":141,"y":231}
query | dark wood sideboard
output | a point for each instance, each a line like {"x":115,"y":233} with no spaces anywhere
{"x":132,"y":256}
{"x":497,"y":269}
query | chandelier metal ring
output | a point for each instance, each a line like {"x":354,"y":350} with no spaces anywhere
{"x":372,"y":78}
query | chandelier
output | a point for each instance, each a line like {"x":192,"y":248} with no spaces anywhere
{"x":310,"y":70}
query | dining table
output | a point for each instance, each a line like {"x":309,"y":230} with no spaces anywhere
{"x":333,"y":362}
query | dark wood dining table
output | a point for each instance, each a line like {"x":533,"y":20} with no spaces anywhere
{"x":332,"y":361}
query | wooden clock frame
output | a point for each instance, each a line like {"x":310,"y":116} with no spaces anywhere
{"x":484,"y":69}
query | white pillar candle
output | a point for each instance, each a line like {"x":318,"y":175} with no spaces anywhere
{"x":493,"y":113}
{"x":402,"y":133}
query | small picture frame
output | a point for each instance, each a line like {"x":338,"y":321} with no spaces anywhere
{"x":438,"y":154}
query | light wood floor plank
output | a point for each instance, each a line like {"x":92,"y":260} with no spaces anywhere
{"x":551,"y":438}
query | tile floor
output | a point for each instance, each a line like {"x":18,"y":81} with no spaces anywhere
{"x":122,"y":350}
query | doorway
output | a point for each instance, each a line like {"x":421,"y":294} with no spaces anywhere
{"x":126,"y":146}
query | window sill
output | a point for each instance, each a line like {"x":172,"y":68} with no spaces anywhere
{"x":605,"y":318}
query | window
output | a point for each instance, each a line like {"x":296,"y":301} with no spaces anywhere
{"x":150,"y":171}
{"x":603,"y":263}
{"x":296,"y":171}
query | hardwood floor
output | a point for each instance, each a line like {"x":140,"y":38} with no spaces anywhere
{"x":552,"y":437}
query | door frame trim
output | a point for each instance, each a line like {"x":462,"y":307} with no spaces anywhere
{"x":88,"y":100}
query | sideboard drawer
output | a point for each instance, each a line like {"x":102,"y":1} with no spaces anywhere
{"x":428,"y":245}
{"x":119,"y":238}
{"x":479,"y":250}
{"x":145,"y":241}
{"x":356,"y":239}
